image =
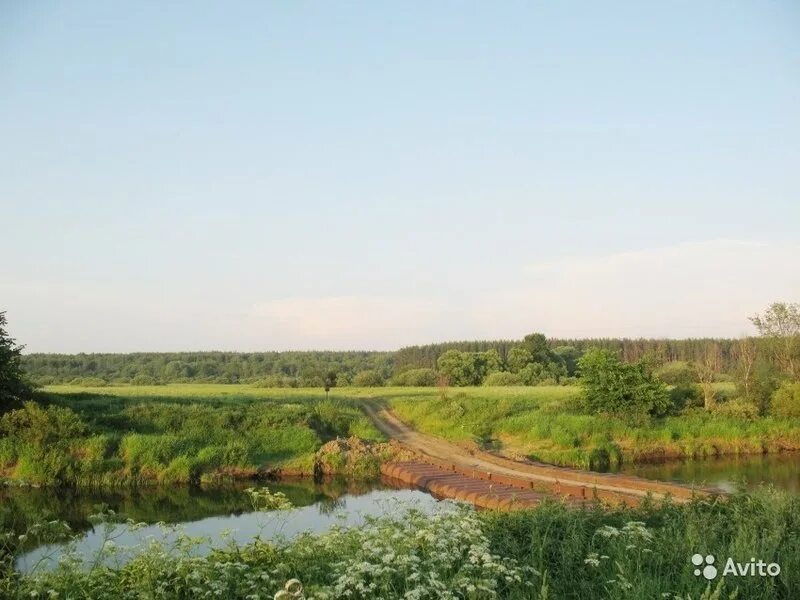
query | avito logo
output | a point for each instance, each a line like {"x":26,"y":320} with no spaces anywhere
{"x":752,"y":568}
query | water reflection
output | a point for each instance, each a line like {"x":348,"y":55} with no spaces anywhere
{"x":728,"y":473}
{"x":220,"y":515}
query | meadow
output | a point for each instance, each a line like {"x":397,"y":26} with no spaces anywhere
{"x":203,"y":433}
{"x":547,"y":423}
{"x":173,"y":434}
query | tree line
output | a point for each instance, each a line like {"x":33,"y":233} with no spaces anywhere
{"x":275,"y":369}
{"x":756,"y":363}
{"x":628,"y":349}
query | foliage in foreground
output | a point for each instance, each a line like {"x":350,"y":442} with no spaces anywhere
{"x":549,"y":552}
{"x":13,"y":386}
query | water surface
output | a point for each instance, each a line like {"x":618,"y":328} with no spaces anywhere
{"x":219,"y":515}
{"x":728,"y":473}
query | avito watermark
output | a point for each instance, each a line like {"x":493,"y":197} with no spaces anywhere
{"x":753,"y":568}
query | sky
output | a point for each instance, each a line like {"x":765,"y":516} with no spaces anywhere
{"x":296,"y":175}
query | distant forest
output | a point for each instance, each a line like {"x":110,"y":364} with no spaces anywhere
{"x":309,"y":369}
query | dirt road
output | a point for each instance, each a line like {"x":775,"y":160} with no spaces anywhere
{"x":541,"y":476}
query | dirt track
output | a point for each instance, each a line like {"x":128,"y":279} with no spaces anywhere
{"x":559,"y":480}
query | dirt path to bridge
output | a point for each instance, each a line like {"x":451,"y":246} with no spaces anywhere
{"x":539,"y":476}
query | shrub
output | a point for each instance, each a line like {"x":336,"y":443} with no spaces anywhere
{"x":532,"y":374}
{"x":765,"y":380}
{"x":612,"y":386}
{"x":89,"y":382}
{"x":686,"y":395}
{"x":144,"y":380}
{"x":738,"y":408}
{"x":416,"y":378}
{"x":786,"y":400}
{"x":369,"y":378}
{"x":502,"y":378}
{"x":42,"y":427}
{"x":270,"y":381}
{"x":678,"y":373}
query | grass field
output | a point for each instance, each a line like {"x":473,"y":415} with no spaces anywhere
{"x":546,"y":423}
{"x":206,"y":432}
{"x":175,"y":434}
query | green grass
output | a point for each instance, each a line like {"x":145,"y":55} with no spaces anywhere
{"x":178,"y":433}
{"x":205,"y":432}
{"x":546,"y":423}
{"x":550,"y":552}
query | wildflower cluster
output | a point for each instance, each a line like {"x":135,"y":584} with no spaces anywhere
{"x":406,"y":554}
{"x":624,"y":554}
{"x":418,"y":556}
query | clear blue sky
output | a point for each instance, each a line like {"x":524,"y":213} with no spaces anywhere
{"x":264,"y":175}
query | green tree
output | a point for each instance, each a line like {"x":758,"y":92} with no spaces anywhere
{"x":330,"y":379}
{"x":518,"y":358}
{"x":416,"y":378}
{"x":536,"y":344}
{"x":616,"y":387}
{"x":569,"y":355}
{"x":468,"y":368}
{"x":780,"y":326}
{"x":13,"y":386}
{"x":485,"y":363}
{"x":458,"y":367}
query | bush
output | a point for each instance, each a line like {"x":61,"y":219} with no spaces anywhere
{"x":786,"y":400}
{"x":502,"y":378}
{"x":272,"y":381}
{"x":42,"y":427}
{"x":764,"y":382}
{"x":687,"y":395}
{"x":613,"y":386}
{"x":532,"y":374}
{"x":416,"y":378}
{"x":89,"y":382}
{"x":678,"y":373}
{"x":144,"y":380}
{"x":370,"y":378}
{"x":739,"y":409}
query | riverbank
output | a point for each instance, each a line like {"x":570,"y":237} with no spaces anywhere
{"x":550,"y":552}
{"x":206,"y":433}
{"x":547,"y":424}
{"x":134,"y":436}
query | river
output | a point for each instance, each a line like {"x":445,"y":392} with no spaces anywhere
{"x":219,"y":514}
